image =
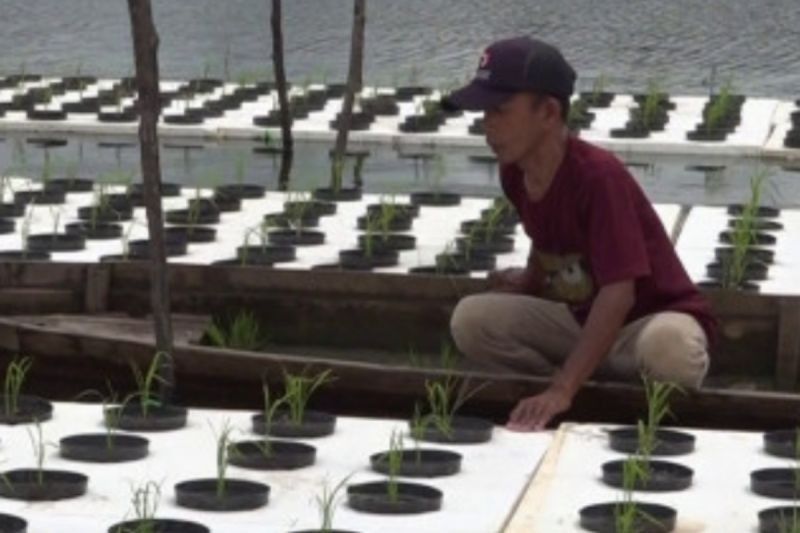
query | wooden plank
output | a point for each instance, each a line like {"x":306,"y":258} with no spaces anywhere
{"x":41,"y":274}
{"x":98,"y":283}
{"x":523,"y":517}
{"x":39,"y":301}
{"x":787,"y":368}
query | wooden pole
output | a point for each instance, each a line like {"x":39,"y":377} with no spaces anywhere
{"x":354,"y":84}
{"x":287,"y":142}
{"x":145,"y":48}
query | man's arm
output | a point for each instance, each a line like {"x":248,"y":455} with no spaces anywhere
{"x":603,"y":324}
{"x":526,"y":280}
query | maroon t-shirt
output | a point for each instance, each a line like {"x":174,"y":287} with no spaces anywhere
{"x":594,"y":227}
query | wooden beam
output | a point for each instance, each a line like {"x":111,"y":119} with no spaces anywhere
{"x":787,"y":368}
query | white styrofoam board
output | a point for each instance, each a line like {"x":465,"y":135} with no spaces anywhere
{"x":477,"y":500}
{"x":719,"y":500}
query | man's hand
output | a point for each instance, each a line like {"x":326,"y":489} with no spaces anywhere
{"x":516,"y":280}
{"x":533,"y":413}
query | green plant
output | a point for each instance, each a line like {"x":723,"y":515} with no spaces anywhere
{"x":25,"y":229}
{"x":627,"y":514}
{"x":39,"y":447}
{"x":720,"y":107}
{"x":599,"y":87}
{"x":337,"y":171}
{"x":652,"y":106}
{"x":16,"y":372}
{"x":743,"y":236}
{"x":145,"y":383}
{"x":657,"y":394}
{"x":223,"y":442}
{"x":327,"y":503}
{"x":145,"y":504}
{"x":241,"y":167}
{"x":242,"y":333}
{"x":394,"y":459}
{"x":446,"y":396}
{"x":297,"y":206}
{"x":298,"y":389}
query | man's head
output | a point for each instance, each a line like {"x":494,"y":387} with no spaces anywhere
{"x":523,"y":86}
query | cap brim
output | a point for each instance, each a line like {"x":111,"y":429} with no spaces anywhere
{"x":475,"y":97}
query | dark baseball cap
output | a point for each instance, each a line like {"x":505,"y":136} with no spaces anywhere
{"x":511,"y":66}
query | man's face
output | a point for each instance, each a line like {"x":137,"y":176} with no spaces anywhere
{"x":516,"y":127}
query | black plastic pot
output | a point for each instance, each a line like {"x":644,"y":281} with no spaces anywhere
{"x":412,"y":498}
{"x":420,"y":463}
{"x":292,"y":237}
{"x":404,"y":210}
{"x":778,"y":519}
{"x":265,"y":255}
{"x":98,"y":231}
{"x":7,"y":226}
{"x":29,"y":409}
{"x":46,"y":114}
{"x":762,"y":211}
{"x":94,"y":448}
{"x":12,"y":210}
{"x":781,"y":443}
{"x":118,"y":117}
{"x":314,"y":424}
{"x":597,"y":99}
{"x":168,"y":190}
{"x":47,"y":142}
{"x":664,"y":476}
{"x":23,"y":484}
{"x":161,"y":418}
{"x":23,"y":255}
{"x":190,"y":117}
{"x":458,"y":261}
{"x":12,"y":524}
{"x":191,"y":234}
{"x":465,"y":430}
{"x":391,"y":241}
{"x":186,"y":217}
{"x":312,"y":208}
{"x":158,"y":525}
{"x":708,"y":135}
{"x":240,"y":191}
{"x":222,"y":204}
{"x":40,"y":197}
{"x":70,"y":185}
{"x":359,"y":121}
{"x":442,"y":270}
{"x":360,"y":259}
{"x":408,"y":92}
{"x":240,"y":495}
{"x":764,"y":255}
{"x":775,"y":483}
{"x":283,"y":455}
{"x":759,"y":224}
{"x":668,"y":442}
{"x":630,"y":131}
{"x":174,"y":246}
{"x":56,"y":242}
{"x":285,"y":220}
{"x":381,"y":105}
{"x":108,"y":213}
{"x":498,"y":244}
{"x":421,"y":123}
{"x":758,"y":238}
{"x":744,"y":286}
{"x":439,"y":199}
{"x":480,"y":230}
{"x":396,"y":223}
{"x":653,"y":518}
{"x":272,"y":120}
{"x":344,"y":194}
{"x":753,"y":271}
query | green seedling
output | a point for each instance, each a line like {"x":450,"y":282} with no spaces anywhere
{"x":743,"y":236}
{"x":241,"y":167}
{"x":337,"y":172}
{"x":55,"y":213}
{"x":145,"y":501}
{"x":627,"y":514}
{"x":145,"y":394}
{"x":243,"y":333}
{"x":16,"y":373}
{"x":720,"y":107}
{"x":296,"y":209}
{"x":599,"y":86}
{"x":651,"y":108}
{"x":328,"y":501}
{"x":39,"y":447}
{"x":298,"y":389}
{"x":111,"y":416}
{"x":394,"y":459}
{"x":223,"y":442}
{"x":657,"y":394}
{"x":126,"y":239}
{"x":25,"y":229}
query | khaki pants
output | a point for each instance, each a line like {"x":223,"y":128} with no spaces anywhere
{"x":535,"y":336}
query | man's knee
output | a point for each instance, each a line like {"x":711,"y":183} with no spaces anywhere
{"x":673,"y":347}
{"x":467,"y":323}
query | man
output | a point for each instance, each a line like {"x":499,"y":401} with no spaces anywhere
{"x":603,"y":289}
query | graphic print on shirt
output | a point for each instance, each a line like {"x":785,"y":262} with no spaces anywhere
{"x":565,"y":277}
